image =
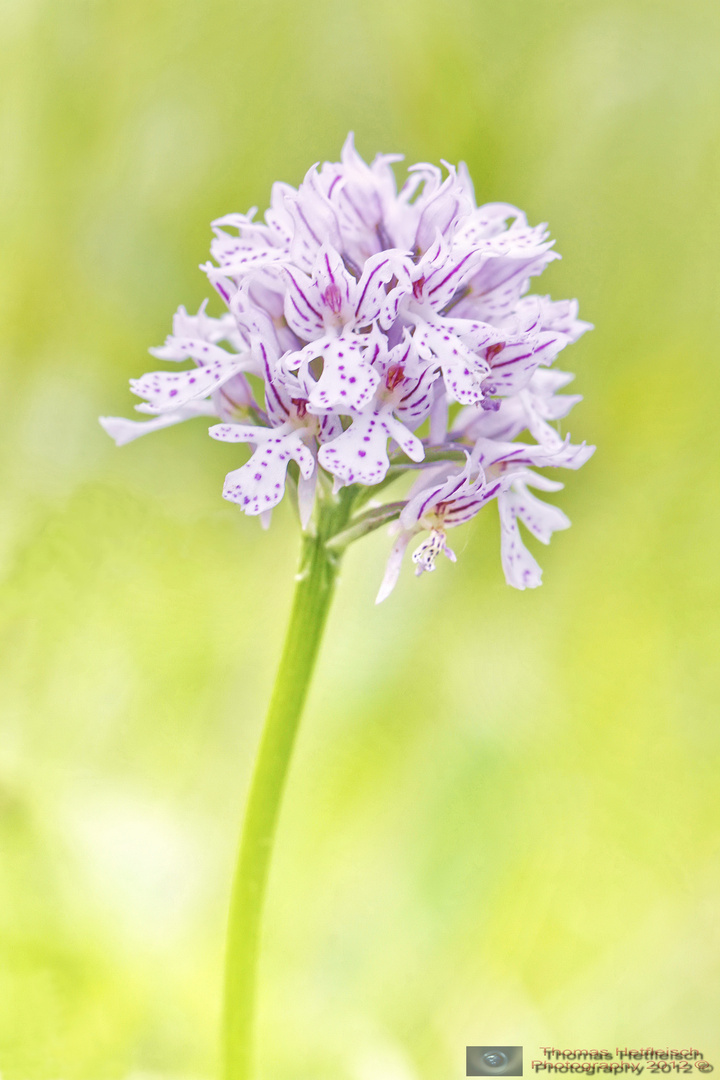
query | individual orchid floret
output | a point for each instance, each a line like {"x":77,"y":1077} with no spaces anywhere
{"x":327,"y":311}
{"x":448,"y":501}
{"x":214,"y":387}
{"x":360,"y":453}
{"x":259,"y":485}
{"x":370,"y":332}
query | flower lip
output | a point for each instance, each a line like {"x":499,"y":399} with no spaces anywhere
{"x":427,"y":552}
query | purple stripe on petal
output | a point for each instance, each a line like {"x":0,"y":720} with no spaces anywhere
{"x":456,"y":270}
{"x":514,"y":360}
{"x":375,"y":270}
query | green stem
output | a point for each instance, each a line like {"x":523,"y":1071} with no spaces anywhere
{"x":313,"y":594}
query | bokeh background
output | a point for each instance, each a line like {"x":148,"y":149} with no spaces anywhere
{"x":502,"y":820}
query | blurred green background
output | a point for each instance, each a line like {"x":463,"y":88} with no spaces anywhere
{"x":502,"y":820}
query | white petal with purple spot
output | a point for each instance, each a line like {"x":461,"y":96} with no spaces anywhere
{"x":167,"y":390}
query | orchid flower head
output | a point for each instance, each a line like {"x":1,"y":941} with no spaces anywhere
{"x":369,"y":331}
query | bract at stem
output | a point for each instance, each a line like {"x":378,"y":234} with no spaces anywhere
{"x":364,"y":524}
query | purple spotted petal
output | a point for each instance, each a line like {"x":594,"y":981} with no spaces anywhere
{"x":541,"y":518}
{"x":168,"y":390}
{"x":184,"y":348}
{"x":346,"y":381}
{"x":463,"y":370}
{"x":360,"y":454}
{"x":244,"y":433}
{"x":521,"y":568}
{"x":259,"y":485}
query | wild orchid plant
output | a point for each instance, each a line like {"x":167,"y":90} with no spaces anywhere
{"x":362,"y":320}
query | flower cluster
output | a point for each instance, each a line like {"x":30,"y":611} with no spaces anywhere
{"x":371,"y":331}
